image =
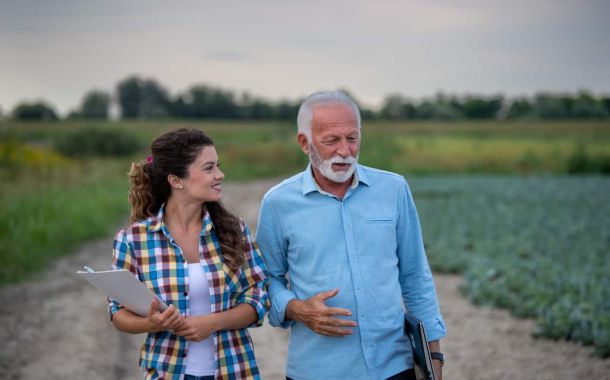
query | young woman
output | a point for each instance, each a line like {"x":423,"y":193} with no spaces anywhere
{"x":198,"y":258}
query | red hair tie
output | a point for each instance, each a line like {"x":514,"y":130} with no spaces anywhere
{"x":149,"y":160}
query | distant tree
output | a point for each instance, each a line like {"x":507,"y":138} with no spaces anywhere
{"x":395,"y":107}
{"x":260,"y":109}
{"x":287,"y":110}
{"x":586,"y":106}
{"x":256,"y":108}
{"x":475,"y":107}
{"x":520,"y":108}
{"x":95,"y":105}
{"x":391,"y":107}
{"x":605,"y":101}
{"x":155,"y":101}
{"x":139,"y":98}
{"x":34,"y":111}
{"x":204,"y":101}
{"x":441,"y":107}
{"x":178,"y":108}
{"x":552,"y":106}
{"x":199,"y":101}
{"x":74,"y":114}
{"x":130,"y":97}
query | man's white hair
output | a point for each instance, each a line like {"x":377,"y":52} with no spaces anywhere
{"x":322,"y":98}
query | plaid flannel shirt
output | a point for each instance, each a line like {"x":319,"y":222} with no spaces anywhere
{"x":147,"y":250}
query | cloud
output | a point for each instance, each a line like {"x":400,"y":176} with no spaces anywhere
{"x":227,"y":56}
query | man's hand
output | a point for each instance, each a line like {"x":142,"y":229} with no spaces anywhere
{"x":438,"y":369}
{"x":320,"y":318}
{"x":435,"y":346}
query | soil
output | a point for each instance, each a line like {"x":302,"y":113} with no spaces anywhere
{"x":56,"y":327}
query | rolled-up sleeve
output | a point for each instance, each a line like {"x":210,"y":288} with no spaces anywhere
{"x":254,"y":278}
{"x":122,"y":258}
{"x":274,"y":252}
{"x":417,"y":284}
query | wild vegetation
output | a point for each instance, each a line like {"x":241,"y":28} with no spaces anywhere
{"x":494,"y":198}
{"x":50,"y":203}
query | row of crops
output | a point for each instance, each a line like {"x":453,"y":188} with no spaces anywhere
{"x":538,"y":246}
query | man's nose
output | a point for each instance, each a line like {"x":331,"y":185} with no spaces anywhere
{"x":343,"y":149}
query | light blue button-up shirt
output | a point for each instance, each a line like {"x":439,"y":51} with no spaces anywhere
{"x":369,"y":245}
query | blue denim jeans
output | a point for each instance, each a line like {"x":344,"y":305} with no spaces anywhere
{"x":193,"y":377}
{"x":405,"y":375}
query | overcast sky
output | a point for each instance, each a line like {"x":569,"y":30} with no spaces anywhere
{"x":58,"y":50}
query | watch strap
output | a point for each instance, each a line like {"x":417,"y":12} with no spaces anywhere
{"x":438,"y":356}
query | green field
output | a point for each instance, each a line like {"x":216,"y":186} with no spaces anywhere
{"x":537,"y":245}
{"x":494,"y":199}
{"x":421,"y":148}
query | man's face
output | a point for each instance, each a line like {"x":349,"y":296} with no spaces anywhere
{"x":335,"y":143}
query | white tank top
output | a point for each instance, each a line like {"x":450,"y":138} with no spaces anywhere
{"x":200,"y":358}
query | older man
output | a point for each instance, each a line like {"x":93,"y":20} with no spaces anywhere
{"x":344,"y":248}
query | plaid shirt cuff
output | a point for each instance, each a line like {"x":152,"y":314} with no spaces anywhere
{"x":257,"y":298}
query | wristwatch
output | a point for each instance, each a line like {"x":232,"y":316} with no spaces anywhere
{"x":438,"y":356}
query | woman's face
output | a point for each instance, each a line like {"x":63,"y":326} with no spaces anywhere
{"x":204,"y":178}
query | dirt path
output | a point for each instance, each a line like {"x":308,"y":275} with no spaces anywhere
{"x":57,"y":328}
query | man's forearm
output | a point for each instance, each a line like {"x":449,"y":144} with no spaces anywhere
{"x":435,"y":346}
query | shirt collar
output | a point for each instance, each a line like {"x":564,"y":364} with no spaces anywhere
{"x":156,"y":223}
{"x":310,"y":184}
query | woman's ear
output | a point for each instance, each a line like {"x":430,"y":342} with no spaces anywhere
{"x":175,"y":182}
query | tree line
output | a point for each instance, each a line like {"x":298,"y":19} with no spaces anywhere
{"x":145,"y":98}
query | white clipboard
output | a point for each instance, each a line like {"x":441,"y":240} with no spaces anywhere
{"x":124,"y":287}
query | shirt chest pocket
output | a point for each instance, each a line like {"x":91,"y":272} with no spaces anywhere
{"x":379,"y":220}
{"x":376,"y":238}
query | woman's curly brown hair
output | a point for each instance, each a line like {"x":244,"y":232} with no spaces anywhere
{"x":172,"y":153}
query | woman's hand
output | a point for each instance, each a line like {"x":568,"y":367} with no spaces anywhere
{"x":125,"y":320}
{"x":170,"y":319}
{"x":197,"y":328}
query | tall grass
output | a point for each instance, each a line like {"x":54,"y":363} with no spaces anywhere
{"x":46,"y":216}
{"x":488,"y":147}
{"x":251,"y":149}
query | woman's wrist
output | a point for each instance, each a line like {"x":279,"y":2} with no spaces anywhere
{"x":216,"y":321}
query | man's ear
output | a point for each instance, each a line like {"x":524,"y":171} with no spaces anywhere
{"x":303,"y":142}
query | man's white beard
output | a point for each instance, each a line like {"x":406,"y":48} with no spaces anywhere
{"x":325,"y":166}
